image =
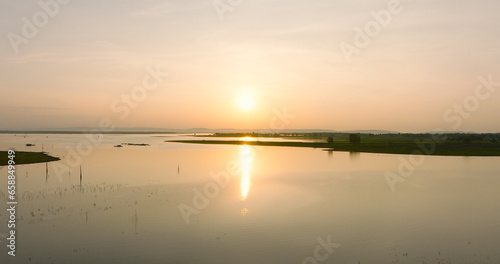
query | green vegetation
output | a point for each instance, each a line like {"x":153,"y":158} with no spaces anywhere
{"x":26,"y":158}
{"x":427,"y":144}
{"x":354,"y":139}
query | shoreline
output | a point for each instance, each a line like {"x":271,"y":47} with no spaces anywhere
{"x":26,"y":157}
{"x":405,"y":148}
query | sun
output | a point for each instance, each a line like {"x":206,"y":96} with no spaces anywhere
{"x":245,"y":102}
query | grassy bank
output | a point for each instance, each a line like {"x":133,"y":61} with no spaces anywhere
{"x":387,"y":147}
{"x":22,"y":157}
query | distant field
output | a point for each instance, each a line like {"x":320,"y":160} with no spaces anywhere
{"x":26,"y":158}
{"x":442,"y":145}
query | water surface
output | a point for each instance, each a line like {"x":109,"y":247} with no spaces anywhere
{"x":275,"y":207}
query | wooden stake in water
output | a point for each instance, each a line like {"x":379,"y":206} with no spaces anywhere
{"x":81,"y":176}
{"x":136,"y":219}
{"x":46,"y":172}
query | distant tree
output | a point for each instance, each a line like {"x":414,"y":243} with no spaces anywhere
{"x":493,"y":140}
{"x":467,"y":140}
{"x":329,"y":140}
{"x":354,"y":138}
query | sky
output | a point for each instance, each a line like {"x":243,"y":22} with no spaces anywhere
{"x":408,"y":66}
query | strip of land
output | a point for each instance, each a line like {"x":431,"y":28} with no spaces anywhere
{"x":23,"y":157}
{"x":453,"y":145}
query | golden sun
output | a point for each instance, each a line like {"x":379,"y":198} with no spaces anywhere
{"x":245,"y":102}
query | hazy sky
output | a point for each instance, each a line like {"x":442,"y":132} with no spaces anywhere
{"x":278,"y":53}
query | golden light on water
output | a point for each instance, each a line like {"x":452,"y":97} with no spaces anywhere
{"x":244,"y":211}
{"x":246,"y":161}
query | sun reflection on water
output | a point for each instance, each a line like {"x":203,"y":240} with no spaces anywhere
{"x":246,"y":161}
{"x":244,"y":211}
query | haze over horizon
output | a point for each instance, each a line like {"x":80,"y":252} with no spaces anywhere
{"x":201,"y":130}
{"x":264,"y":60}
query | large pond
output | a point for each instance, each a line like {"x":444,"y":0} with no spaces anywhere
{"x":187,"y":203}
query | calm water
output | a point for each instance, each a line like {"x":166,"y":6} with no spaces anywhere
{"x":276,"y":207}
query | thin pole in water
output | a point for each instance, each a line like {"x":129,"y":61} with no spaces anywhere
{"x":136,"y":219}
{"x":81,"y":176}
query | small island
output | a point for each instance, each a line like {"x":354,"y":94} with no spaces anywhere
{"x":442,"y":144}
{"x":23,"y":157}
{"x":134,"y":144}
